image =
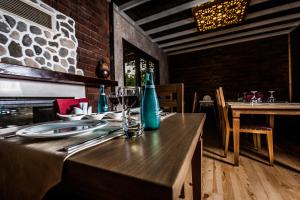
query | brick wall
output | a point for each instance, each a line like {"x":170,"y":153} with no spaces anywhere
{"x":92,"y":32}
{"x":257,"y":65}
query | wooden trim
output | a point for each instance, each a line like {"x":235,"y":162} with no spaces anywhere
{"x":290,"y":68}
{"x":35,"y":74}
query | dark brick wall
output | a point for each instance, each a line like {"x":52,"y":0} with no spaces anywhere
{"x":295,"y":46}
{"x":92,"y":32}
{"x":256,"y":65}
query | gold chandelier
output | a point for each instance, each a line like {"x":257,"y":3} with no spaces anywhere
{"x":219,"y":13}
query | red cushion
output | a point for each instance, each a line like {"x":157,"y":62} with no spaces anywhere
{"x":65,"y":106}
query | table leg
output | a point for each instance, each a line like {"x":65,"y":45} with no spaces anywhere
{"x":236,"y":140}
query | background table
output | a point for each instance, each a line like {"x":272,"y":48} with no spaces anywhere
{"x":270,"y":109}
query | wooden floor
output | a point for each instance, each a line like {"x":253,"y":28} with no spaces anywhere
{"x":253,"y":179}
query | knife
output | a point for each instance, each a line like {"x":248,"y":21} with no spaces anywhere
{"x":92,"y":141}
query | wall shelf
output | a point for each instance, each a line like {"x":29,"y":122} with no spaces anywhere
{"x":34,"y":74}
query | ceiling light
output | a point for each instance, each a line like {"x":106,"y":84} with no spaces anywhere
{"x":219,"y":13}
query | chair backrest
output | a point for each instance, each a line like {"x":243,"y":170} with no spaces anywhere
{"x":171,"y":96}
{"x":195,"y":101}
{"x":206,"y":98}
{"x":222,"y":107}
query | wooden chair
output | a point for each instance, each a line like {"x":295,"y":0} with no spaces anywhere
{"x":195,"y":101}
{"x":171,"y":97}
{"x":256,"y":130}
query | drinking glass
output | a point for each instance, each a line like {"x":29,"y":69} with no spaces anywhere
{"x":130,"y":98}
{"x":253,"y":99}
{"x":271,"y":98}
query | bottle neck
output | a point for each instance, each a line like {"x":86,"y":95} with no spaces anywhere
{"x":149,"y":79}
{"x":101,"y":89}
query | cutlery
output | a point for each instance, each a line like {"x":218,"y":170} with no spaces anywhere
{"x":92,"y":141}
{"x":8,"y":136}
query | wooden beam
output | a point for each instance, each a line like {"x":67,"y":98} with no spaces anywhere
{"x":254,"y":2}
{"x":250,"y":16}
{"x":230,"y":30}
{"x":290,"y":68}
{"x":231,"y":42}
{"x":131,"y":4}
{"x":273,"y":10}
{"x":170,"y":11}
{"x":234,"y":36}
{"x":170,"y":26}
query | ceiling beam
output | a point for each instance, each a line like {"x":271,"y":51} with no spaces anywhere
{"x":170,"y":11}
{"x":180,"y":8}
{"x":231,"y":42}
{"x":170,"y":26}
{"x":131,"y":4}
{"x":254,"y":2}
{"x":234,"y":29}
{"x":249,"y":16}
{"x":273,"y":10}
{"x":235,"y":36}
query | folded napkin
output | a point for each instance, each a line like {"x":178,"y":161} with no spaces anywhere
{"x":65,"y":106}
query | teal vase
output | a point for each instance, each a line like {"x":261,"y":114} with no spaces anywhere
{"x":150,"y":104}
{"x":102,"y":102}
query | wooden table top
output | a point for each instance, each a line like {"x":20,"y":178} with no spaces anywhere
{"x":279,"y":106}
{"x":157,"y":158}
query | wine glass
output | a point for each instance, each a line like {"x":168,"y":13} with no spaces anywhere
{"x":244,"y":96}
{"x":253,"y":99}
{"x":130,"y":98}
{"x":114,"y":100}
{"x":271,"y":98}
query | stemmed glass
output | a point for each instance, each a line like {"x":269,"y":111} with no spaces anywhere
{"x":130,"y":98}
{"x":271,"y":98}
{"x":244,"y":96}
{"x":253,"y":99}
{"x":114,"y":100}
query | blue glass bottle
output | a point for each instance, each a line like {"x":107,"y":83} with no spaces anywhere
{"x":150,"y":105}
{"x":102,"y":102}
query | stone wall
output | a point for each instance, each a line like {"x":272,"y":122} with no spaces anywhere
{"x":25,"y":43}
{"x":124,"y":30}
{"x":92,"y":30}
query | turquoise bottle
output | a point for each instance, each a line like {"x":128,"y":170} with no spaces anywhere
{"x":150,"y":105}
{"x":102,"y":102}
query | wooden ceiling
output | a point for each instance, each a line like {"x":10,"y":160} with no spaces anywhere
{"x":171,"y":25}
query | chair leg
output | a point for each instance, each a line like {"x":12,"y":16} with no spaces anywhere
{"x":258,"y":142}
{"x":270,"y":147}
{"x":227,"y":135}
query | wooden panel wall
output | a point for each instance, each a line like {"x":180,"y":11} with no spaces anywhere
{"x":256,"y":65}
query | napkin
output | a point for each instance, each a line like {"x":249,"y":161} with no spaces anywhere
{"x":65,"y":106}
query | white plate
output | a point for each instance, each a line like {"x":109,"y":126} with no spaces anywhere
{"x":60,"y":129}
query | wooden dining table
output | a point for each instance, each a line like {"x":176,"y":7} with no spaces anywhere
{"x":246,"y":108}
{"x":160,"y":164}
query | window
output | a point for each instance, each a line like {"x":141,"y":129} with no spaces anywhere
{"x":135,"y":64}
